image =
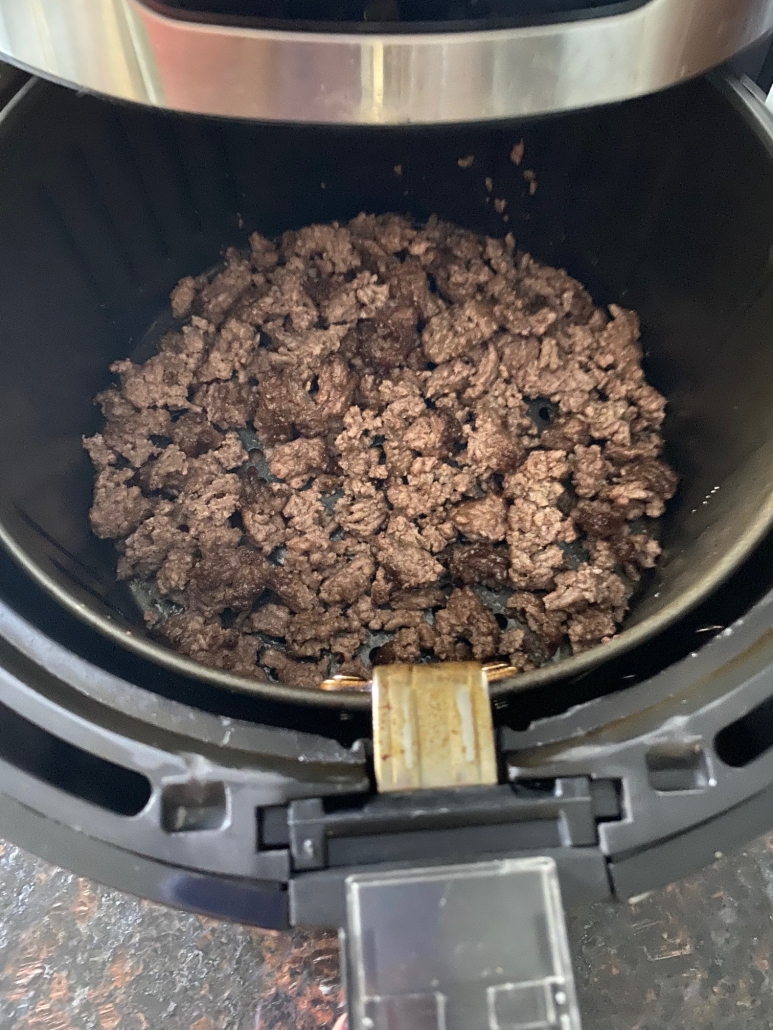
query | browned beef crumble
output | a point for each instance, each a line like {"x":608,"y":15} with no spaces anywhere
{"x":334,"y":458}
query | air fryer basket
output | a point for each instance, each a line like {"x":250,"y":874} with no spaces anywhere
{"x":663,"y":204}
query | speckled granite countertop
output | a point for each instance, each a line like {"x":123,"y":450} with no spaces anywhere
{"x":77,"y":956}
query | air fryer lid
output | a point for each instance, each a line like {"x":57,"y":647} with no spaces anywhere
{"x":378,"y":62}
{"x":103,"y":209}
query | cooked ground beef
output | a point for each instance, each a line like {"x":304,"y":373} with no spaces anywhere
{"x":334,"y":458}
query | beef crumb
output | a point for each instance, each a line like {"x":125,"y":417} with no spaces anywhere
{"x":399,"y":486}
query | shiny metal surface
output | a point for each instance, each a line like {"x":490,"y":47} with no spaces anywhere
{"x":127,"y":50}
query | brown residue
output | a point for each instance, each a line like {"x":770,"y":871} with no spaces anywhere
{"x":45,"y":1017}
{"x":122,"y":971}
{"x":674,"y":946}
{"x":205,"y":1023}
{"x":516,"y":154}
{"x":86,"y":904}
{"x":302,"y":974}
{"x":59,"y":989}
{"x":109,"y":1017}
{"x":97,"y":995}
{"x":26,"y":974}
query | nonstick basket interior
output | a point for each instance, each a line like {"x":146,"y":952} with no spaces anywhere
{"x":663,"y":204}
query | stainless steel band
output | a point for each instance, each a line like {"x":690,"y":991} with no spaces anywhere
{"x":125,"y":49}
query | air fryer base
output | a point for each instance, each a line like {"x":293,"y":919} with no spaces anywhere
{"x":201,"y":798}
{"x":209,"y":813}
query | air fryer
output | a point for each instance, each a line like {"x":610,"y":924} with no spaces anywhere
{"x":628,"y":766}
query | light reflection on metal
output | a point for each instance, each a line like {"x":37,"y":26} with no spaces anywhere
{"x":131,"y":50}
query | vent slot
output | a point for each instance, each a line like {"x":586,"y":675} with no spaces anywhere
{"x":69,"y":768}
{"x":677,"y":767}
{"x":273,"y":831}
{"x":748,"y":738}
{"x":193,"y":806}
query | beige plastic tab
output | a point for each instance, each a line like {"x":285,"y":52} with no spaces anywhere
{"x":432,"y":726}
